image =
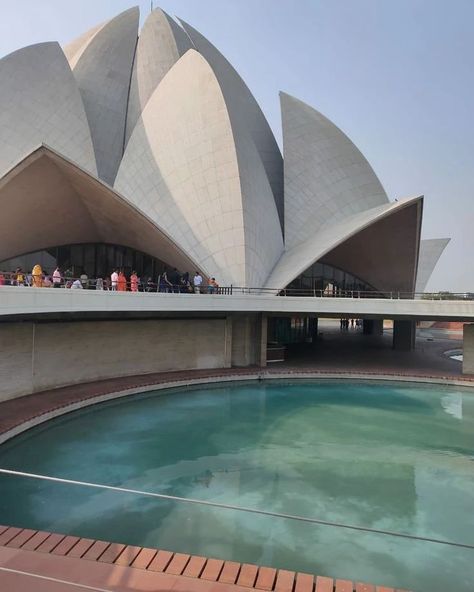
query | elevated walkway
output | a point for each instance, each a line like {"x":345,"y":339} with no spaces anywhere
{"x":20,"y":302}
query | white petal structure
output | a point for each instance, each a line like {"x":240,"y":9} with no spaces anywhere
{"x":155,"y":143}
{"x":327,"y":179}
{"x":430,"y":252}
{"x":103,"y":73}
{"x":74,"y":50}
{"x":40,"y":103}
{"x":245,"y":114}
{"x":379,"y":246}
{"x":181,"y":168}
{"x":160,"y":45}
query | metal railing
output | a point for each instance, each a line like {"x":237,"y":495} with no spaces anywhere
{"x":150,"y":286}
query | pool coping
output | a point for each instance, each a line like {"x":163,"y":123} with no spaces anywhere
{"x":233,"y":574}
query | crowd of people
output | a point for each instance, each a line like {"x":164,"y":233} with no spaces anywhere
{"x":353,"y":323}
{"x":168,"y":281}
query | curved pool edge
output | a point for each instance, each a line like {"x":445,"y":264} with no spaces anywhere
{"x":26,"y":421}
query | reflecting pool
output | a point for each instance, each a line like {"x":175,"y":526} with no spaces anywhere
{"x":387,"y":456}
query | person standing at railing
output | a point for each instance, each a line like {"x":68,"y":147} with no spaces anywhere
{"x":77,"y":285}
{"x":68,"y":277}
{"x":85,"y":281}
{"x":57,"y":278}
{"x":19,"y":277}
{"x":121,"y":282}
{"x":2,"y":279}
{"x":164,"y":285}
{"x":197,"y":282}
{"x":99,"y":284}
{"x":134,"y":282}
{"x":114,"y":280}
{"x":174,"y":277}
{"x":37,"y":276}
{"x":213,"y":286}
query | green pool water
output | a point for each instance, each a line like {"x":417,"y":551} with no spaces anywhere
{"x":388,"y":456}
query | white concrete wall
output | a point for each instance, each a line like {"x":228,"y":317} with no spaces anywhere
{"x":40,"y":356}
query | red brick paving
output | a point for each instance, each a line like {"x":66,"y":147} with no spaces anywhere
{"x":207,"y":575}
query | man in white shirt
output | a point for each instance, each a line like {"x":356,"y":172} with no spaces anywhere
{"x":114,"y":280}
{"x":197,"y":281}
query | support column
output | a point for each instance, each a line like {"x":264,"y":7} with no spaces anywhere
{"x":249,"y":340}
{"x":262,"y":332}
{"x":372,"y":326}
{"x":314,"y":328}
{"x":468,"y":349}
{"x":404,"y":333}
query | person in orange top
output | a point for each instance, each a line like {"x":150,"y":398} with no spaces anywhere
{"x":122,"y":282}
{"x":134,"y":282}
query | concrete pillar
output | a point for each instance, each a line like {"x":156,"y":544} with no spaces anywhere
{"x":228,"y":342}
{"x":314,"y":328}
{"x":249,"y":340}
{"x":468,"y":349}
{"x":404,"y":333}
{"x":262,"y":333}
{"x":372,"y":326}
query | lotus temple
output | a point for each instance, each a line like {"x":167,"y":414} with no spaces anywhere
{"x":278,"y":430}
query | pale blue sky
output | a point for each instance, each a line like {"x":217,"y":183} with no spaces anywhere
{"x":396,"y":76}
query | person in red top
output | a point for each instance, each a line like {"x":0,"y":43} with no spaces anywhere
{"x":122,"y":282}
{"x":134,"y":282}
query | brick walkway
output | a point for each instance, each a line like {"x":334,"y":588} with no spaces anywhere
{"x":34,"y":561}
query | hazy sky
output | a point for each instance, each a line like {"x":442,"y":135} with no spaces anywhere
{"x":395,"y":75}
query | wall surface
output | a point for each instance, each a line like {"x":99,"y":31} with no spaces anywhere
{"x":39,"y":356}
{"x":468,"y":349}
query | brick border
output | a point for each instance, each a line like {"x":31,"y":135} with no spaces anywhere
{"x":180,"y":564}
{"x":40,"y":407}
